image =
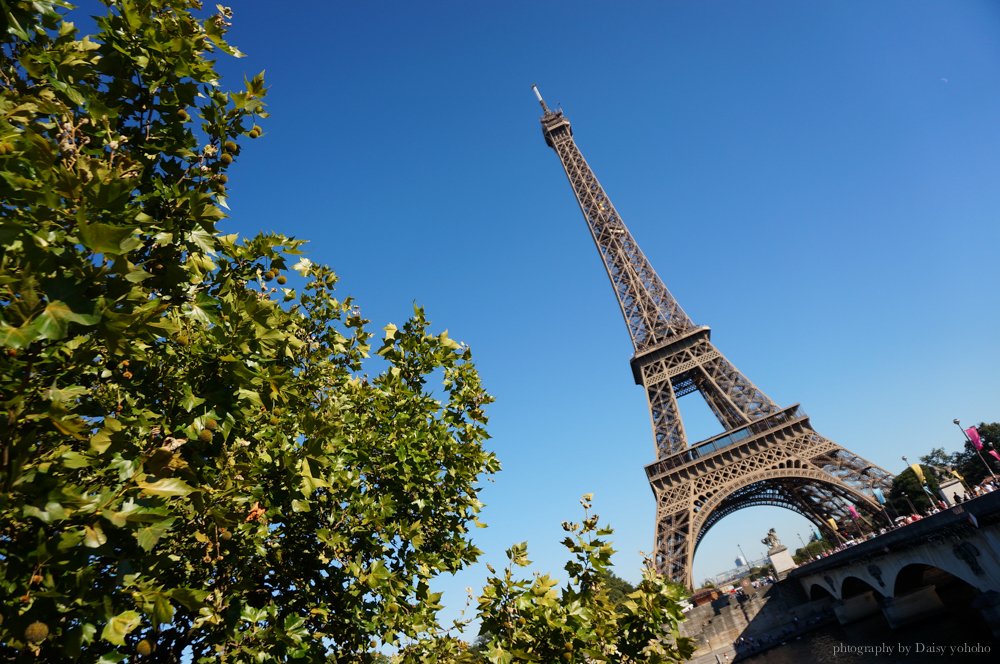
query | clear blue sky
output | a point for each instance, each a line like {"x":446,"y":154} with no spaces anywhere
{"x":818,"y":182}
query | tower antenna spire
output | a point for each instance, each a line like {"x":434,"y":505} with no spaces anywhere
{"x":534,"y":88}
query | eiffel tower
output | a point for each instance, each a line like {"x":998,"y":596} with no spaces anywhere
{"x":768,"y":455}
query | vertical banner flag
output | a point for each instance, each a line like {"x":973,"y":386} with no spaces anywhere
{"x":919,"y":472}
{"x":995,"y":454}
{"x":957,"y":475}
{"x":879,"y":496}
{"x":854,"y":512}
{"x":833,"y":524}
{"x":973,"y":435}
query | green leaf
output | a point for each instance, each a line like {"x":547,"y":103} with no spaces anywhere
{"x":53,"y":322}
{"x":149,"y":536}
{"x":93,"y":536}
{"x":189,"y":401}
{"x":249,"y":395}
{"x":70,"y":539}
{"x":104,"y":238}
{"x":120,"y":626}
{"x":518,"y":554}
{"x":76,"y":460}
{"x":169,"y":486}
{"x":163,"y":610}
{"x":138,"y":275}
{"x":19,"y":337}
{"x":189,"y":598}
{"x":100,"y":441}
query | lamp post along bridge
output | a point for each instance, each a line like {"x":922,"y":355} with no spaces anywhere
{"x":767,"y":455}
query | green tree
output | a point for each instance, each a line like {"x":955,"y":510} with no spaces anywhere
{"x":938,"y":458}
{"x":972,"y":465}
{"x":906,"y":485}
{"x":194,"y":459}
{"x":813,"y":548}
{"x":618,"y":588}
{"x":532,"y":620}
{"x":968,"y":462}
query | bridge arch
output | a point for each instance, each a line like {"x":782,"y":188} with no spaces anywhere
{"x":819,"y":591}
{"x":852,"y":586}
{"x":952,"y":581}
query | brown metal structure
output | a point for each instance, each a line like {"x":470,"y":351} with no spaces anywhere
{"x":768,"y":455}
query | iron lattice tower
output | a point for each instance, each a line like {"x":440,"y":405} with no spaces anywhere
{"x":768,"y":455}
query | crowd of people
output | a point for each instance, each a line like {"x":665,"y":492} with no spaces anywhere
{"x":981,"y":489}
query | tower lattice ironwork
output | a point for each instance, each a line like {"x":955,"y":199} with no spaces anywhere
{"x":768,"y":454}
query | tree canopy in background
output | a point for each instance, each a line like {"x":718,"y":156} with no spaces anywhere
{"x":970,"y":465}
{"x":907,"y":487}
{"x":938,"y":466}
{"x":196,"y":460}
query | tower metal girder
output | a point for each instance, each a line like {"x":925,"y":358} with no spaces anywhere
{"x":768,"y":455}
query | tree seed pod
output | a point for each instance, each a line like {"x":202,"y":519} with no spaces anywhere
{"x":268,"y":275}
{"x":211,"y":424}
{"x":225,"y":536}
{"x":226,"y":158}
{"x":144,"y":648}
{"x":36,"y":632}
{"x":282,"y":279}
{"x":230,"y":146}
{"x":183,"y":115}
{"x":205,"y":436}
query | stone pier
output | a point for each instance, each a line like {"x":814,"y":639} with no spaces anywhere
{"x":853,"y":609}
{"x":912,"y":606}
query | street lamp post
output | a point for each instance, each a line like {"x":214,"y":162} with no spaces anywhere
{"x":882,"y":506}
{"x":906,"y":496}
{"x":930,"y":496}
{"x":978,"y":451}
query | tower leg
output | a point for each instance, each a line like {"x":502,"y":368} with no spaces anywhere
{"x":674,"y":545}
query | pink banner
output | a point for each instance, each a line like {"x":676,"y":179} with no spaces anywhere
{"x":853,"y":511}
{"x":995,"y":454}
{"x":973,"y":435}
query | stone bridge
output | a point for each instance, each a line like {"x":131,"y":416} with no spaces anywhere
{"x":950,"y":559}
